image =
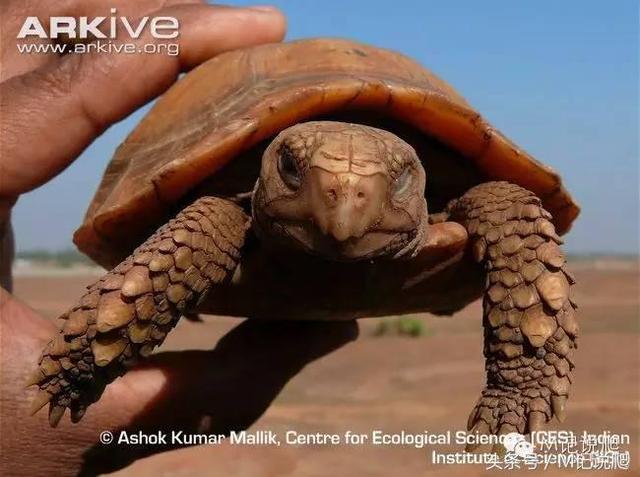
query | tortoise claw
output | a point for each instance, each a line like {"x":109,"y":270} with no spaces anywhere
{"x":35,"y":377}
{"x":41,"y":400}
{"x":537,"y":420}
{"x":472,"y":418}
{"x":55,"y":414}
{"x":481,"y":427}
{"x":77,"y":413}
{"x":499,"y":448}
{"x":558,"y":404}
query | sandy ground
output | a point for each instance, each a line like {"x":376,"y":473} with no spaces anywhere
{"x":396,"y":383}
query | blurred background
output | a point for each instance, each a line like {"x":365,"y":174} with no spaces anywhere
{"x":561,"y":80}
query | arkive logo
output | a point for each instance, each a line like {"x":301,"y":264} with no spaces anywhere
{"x":161,"y":27}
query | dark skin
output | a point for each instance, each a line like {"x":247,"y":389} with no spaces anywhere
{"x":36,"y":93}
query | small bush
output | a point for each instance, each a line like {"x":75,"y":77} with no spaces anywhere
{"x":410,"y":326}
{"x":401,"y":326}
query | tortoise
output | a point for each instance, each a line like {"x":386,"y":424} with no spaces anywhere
{"x":323,"y":179}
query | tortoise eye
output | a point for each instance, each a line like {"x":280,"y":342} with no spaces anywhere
{"x":288,"y":169}
{"x":403,"y":183}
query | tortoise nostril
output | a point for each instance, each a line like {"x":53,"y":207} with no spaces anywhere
{"x":361,"y":195}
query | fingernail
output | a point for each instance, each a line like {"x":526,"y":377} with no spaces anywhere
{"x":263,"y":8}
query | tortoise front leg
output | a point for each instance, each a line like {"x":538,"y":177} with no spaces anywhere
{"x":131,"y":309}
{"x":529,"y":319}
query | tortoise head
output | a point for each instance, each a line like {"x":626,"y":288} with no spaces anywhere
{"x":342,"y":191}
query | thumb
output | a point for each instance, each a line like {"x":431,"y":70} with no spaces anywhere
{"x":212,"y":392}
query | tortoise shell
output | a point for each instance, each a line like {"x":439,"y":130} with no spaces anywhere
{"x":230,"y":106}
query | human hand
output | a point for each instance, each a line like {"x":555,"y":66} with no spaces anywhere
{"x":53,"y":107}
{"x":210,"y":392}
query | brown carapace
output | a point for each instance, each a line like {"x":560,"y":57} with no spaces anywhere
{"x":365,"y":185}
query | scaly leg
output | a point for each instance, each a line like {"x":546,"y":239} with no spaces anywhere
{"x":131,"y":309}
{"x":529,"y":319}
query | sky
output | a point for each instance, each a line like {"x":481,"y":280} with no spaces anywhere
{"x":559,"y":78}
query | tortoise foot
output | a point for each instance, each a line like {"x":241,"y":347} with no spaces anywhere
{"x":130,"y":310}
{"x":529,"y":317}
{"x":504,"y":410}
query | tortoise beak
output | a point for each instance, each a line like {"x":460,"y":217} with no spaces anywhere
{"x":345,"y":206}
